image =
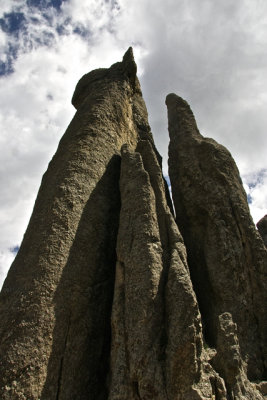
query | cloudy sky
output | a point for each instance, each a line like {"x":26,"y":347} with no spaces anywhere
{"x":211,"y":52}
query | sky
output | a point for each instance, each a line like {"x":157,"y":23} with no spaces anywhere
{"x":210,"y":52}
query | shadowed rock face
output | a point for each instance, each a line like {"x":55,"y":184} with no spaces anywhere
{"x":227,"y":258}
{"x":156,"y":326}
{"x":262,"y":227}
{"x":56,"y":301}
{"x":100,"y":302}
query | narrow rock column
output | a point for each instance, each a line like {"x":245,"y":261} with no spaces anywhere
{"x":227,"y":258}
{"x":229,"y":363}
{"x":157,"y":348}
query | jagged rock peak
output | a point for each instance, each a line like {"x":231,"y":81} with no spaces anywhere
{"x":129,"y":62}
{"x":180,"y":114}
{"x":262,"y":228}
{"x":126,"y":69}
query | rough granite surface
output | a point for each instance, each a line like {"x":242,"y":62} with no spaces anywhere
{"x":226,"y":255}
{"x":110,"y":297}
{"x":55,"y":304}
{"x":156,"y":324}
{"x":262,"y":228}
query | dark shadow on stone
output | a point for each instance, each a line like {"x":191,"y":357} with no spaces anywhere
{"x":199,"y":274}
{"x":79,"y":361}
{"x":204,"y":292}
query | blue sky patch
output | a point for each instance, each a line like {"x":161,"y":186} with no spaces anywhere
{"x":249,"y":199}
{"x":167,"y":179}
{"x":14,"y":249}
{"x":257,"y":179}
{"x":45,"y":3}
{"x":12,"y":23}
{"x":61,"y":29}
{"x":15,"y":26}
{"x":6,"y":67}
{"x":82,"y":31}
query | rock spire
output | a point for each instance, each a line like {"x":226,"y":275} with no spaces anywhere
{"x":226,"y":256}
{"x":110,"y":297}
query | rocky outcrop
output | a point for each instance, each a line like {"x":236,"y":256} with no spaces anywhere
{"x":226,"y":256}
{"x":156,"y":326}
{"x":56,"y":302}
{"x":228,"y":361}
{"x":262,"y":228}
{"x":105,"y":299}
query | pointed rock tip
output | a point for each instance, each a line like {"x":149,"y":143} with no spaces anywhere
{"x":177,"y":108}
{"x":129,"y":55}
{"x":129,"y":63}
{"x":177,"y":105}
{"x":173,"y":99}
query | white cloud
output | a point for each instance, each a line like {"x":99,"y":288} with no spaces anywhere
{"x":256,"y":187}
{"x":92,"y":14}
{"x":10,"y":5}
{"x":211,"y":53}
{"x":6,"y":258}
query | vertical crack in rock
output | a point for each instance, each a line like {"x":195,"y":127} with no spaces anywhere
{"x":156,"y":329}
{"x":61,"y":365}
{"x":135,"y":348}
{"x":227,"y":258}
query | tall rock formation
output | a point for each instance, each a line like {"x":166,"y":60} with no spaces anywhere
{"x":226,"y":256}
{"x":56,"y":301}
{"x":101,"y":302}
{"x":157,"y":333}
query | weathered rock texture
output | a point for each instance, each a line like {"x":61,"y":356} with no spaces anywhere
{"x":226,"y":256}
{"x":262,"y":227}
{"x":157,"y":333}
{"x":100,"y":302}
{"x":56,"y":301}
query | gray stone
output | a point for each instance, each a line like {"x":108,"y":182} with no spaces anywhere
{"x":157,"y":347}
{"x":226,"y":256}
{"x":55,"y":304}
{"x":105,"y":299}
{"x":262,"y":228}
{"x":229,"y":364}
